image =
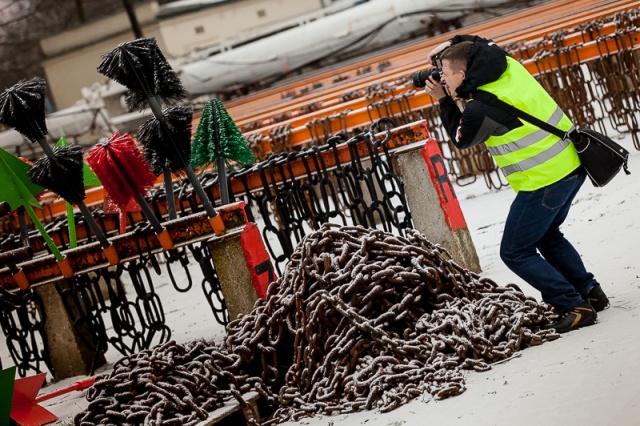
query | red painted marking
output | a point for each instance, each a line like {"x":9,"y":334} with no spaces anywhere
{"x":446,"y":193}
{"x":257,"y":258}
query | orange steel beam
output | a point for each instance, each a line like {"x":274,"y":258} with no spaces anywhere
{"x":607,"y":44}
{"x":405,"y":63}
{"x":108,"y":223}
{"x":129,"y":246}
{"x":300,"y":136}
{"x":396,"y":138}
{"x":359,"y":115}
{"x":537,"y":17}
{"x":332,"y":105}
{"x":14,"y":256}
{"x":188,"y":230}
{"x":58,"y":207}
{"x":94,"y":197}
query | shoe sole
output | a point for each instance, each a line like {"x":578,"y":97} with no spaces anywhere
{"x":578,"y":327}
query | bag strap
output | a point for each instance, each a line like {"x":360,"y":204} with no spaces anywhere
{"x":493,"y":100}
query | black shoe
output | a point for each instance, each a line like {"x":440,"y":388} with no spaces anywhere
{"x":581,"y":316}
{"x":598,"y":299}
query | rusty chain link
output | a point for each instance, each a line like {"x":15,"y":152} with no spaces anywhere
{"x":321,"y":129}
{"x":171,"y":384}
{"x":360,"y":319}
{"x":280,"y":138}
{"x":375,"y":320}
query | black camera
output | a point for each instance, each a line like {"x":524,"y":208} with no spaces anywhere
{"x":420,"y":78}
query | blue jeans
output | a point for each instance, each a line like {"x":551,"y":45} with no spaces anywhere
{"x":534,"y":248}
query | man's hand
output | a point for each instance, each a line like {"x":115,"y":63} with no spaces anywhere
{"x":435,"y":89}
{"x":437,"y":50}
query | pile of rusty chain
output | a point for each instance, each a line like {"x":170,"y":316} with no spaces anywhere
{"x":364,"y":319}
{"x":170,"y":385}
{"x":360,"y":319}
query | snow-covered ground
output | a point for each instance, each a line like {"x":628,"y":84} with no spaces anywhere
{"x":588,"y":377}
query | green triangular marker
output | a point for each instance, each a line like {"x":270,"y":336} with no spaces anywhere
{"x":17,"y":187}
{"x":19,"y":191}
{"x":7,"y":379}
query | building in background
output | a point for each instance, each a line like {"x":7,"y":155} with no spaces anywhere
{"x":179,"y":27}
{"x":223,"y":48}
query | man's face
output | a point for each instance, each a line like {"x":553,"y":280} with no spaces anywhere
{"x":451,"y":77}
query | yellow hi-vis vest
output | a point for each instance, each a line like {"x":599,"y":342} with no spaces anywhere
{"x":530,"y":158}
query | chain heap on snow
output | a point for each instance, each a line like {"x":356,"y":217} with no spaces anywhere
{"x":360,"y":319}
{"x":170,"y":385}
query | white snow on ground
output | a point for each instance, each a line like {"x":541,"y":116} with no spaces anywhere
{"x":589,"y":377}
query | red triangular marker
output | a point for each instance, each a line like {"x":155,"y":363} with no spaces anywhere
{"x":25,"y":411}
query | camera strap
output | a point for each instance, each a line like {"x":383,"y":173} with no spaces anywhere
{"x":493,"y":100}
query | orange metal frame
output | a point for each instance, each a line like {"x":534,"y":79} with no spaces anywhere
{"x":187,"y":230}
{"x":129,"y":246}
{"x":529,"y":26}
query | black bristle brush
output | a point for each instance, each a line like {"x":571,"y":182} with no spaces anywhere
{"x":22,"y":107}
{"x":151,"y":134}
{"x":62,"y":173}
{"x":153,"y":76}
{"x":160,"y":155}
{"x":140,"y":67}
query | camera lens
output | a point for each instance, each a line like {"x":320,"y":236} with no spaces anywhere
{"x":420,"y":78}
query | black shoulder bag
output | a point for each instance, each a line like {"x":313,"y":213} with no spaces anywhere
{"x":601,"y":157}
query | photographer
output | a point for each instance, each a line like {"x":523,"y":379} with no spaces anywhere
{"x":543,"y":169}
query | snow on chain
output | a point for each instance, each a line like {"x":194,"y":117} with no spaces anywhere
{"x":360,"y":319}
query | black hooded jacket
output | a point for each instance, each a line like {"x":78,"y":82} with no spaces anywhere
{"x":478,"y":121}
